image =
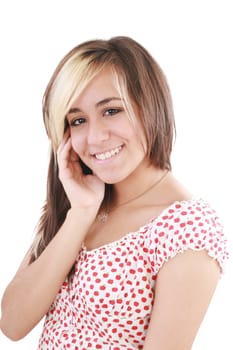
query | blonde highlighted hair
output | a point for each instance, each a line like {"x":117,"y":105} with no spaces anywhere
{"x":144,"y":88}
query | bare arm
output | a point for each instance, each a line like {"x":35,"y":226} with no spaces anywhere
{"x":34,"y":287}
{"x":184,"y":288}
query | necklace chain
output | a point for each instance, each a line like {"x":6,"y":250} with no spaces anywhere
{"x":103,"y":216}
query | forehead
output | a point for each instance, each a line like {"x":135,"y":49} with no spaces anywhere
{"x":107,"y":86}
{"x":102,"y":87}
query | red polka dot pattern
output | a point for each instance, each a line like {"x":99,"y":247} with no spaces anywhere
{"x":108,"y":302}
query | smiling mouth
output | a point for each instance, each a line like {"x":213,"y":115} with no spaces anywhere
{"x":108,"y":154}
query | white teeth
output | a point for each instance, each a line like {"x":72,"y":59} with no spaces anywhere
{"x":108,"y":154}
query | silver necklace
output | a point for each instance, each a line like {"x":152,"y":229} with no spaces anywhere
{"x":103,"y":215}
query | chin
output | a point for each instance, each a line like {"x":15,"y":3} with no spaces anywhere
{"x":112,"y":180}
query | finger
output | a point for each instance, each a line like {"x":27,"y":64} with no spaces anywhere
{"x":63,"y":152}
{"x":68,"y":161}
{"x":73,"y":156}
{"x":66,"y":136}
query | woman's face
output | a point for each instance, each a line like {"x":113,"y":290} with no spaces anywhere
{"x":102,"y":134}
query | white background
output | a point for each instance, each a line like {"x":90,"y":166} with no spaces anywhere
{"x":191,"y":40}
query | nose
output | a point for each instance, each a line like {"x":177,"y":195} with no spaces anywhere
{"x":97,"y":132}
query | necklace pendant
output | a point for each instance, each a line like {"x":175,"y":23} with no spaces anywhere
{"x":102,"y":217}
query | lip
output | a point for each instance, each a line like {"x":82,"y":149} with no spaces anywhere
{"x":108,"y":154}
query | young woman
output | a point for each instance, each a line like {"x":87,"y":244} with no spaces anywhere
{"x":124,"y":256}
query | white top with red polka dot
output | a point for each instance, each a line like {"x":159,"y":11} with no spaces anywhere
{"x":108,"y":301}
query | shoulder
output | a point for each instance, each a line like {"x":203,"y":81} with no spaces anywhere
{"x":190,"y":214}
{"x":190,"y":224}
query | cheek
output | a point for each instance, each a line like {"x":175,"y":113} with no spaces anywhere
{"x":134,"y":131}
{"x":144,"y":145}
{"x":139,"y":141}
{"x":76,"y":142}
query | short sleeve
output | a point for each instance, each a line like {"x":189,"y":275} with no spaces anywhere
{"x":191,"y":224}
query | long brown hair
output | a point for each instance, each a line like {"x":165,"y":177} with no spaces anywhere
{"x":145,"y":90}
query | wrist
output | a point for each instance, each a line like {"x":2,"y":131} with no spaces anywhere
{"x":81,"y":214}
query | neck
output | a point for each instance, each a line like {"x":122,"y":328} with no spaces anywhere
{"x":136,"y":184}
{"x":133,"y":189}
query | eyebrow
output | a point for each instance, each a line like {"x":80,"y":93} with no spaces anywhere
{"x":98,"y":104}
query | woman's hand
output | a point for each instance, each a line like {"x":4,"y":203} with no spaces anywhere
{"x":86,"y":191}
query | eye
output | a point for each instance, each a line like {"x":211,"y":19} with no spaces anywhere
{"x":111,"y":111}
{"x":77,"y":121}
